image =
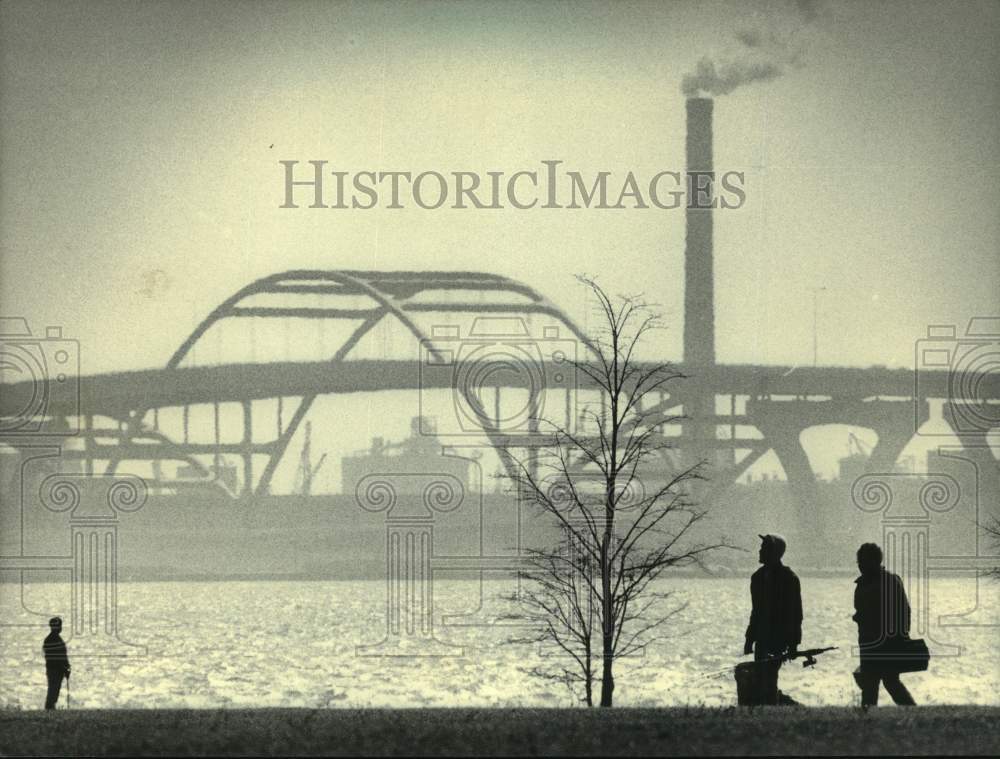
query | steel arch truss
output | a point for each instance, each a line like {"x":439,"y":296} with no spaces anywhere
{"x":401,"y":296}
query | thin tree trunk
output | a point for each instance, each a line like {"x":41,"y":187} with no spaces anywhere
{"x":607,"y":676}
{"x":607,"y":624}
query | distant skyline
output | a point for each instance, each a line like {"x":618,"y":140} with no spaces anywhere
{"x":141,"y":183}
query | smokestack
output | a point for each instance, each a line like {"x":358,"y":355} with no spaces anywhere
{"x":699,"y":297}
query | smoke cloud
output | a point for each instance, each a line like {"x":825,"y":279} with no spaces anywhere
{"x":767,"y":49}
{"x":711,"y":79}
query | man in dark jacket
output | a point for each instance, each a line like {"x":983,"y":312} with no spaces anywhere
{"x":776,"y":615}
{"x":883,"y":616}
{"x":56,"y":661}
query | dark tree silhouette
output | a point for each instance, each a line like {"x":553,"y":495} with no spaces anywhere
{"x":590,"y":598}
{"x":558,"y":603}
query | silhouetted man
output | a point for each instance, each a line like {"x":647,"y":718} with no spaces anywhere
{"x":883,"y":615}
{"x":776,"y":616}
{"x":56,"y":661}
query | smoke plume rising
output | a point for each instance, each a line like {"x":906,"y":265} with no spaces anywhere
{"x":722,"y":79}
{"x":767,"y":48}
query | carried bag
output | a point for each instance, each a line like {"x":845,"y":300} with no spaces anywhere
{"x":896,"y":655}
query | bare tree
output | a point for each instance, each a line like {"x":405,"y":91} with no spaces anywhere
{"x":622,"y":508}
{"x":558,"y":603}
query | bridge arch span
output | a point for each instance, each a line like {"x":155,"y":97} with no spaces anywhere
{"x":365,"y":299}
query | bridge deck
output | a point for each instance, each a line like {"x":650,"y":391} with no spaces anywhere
{"x":116,"y":394}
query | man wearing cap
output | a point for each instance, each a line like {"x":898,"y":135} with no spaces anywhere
{"x":56,"y":661}
{"x":776,"y":615}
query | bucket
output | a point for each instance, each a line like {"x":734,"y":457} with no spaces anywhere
{"x":749,"y":684}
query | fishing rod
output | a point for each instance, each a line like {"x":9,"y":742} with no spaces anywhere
{"x":810,"y":655}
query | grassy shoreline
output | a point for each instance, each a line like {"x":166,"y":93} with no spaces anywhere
{"x":953,"y":730}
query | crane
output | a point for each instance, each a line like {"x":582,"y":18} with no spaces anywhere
{"x":306,"y":473}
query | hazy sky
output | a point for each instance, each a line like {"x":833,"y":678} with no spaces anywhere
{"x":140,"y":182}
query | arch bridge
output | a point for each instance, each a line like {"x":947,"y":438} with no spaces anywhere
{"x":285,"y":340}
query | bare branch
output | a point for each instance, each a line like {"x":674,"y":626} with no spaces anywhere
{"x":590,"y":596}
